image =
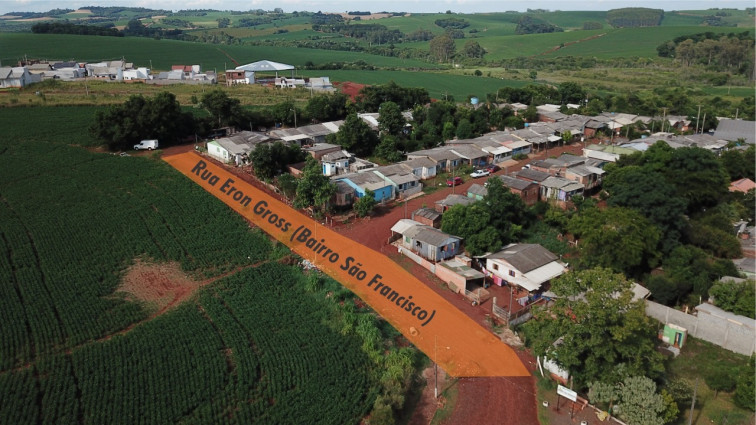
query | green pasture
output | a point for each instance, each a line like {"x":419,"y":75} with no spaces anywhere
{"x":569,"y":20}
{"x":161,"y":54}
{"x":737,"y":18}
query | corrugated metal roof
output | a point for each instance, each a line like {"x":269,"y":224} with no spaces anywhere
{"x":543,"y":274}
{"x":525,"y":257}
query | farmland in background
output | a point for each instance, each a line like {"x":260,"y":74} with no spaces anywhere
{"x":75,"y":348}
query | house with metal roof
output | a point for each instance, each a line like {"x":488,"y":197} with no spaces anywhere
{"x":307,"y":134}
{"x":733,"y":130}
{"x":17,"y":76}
{"x":405,"y":182}
{"x":560,"y":189}
{"x":444,"y":158}
{"x":427,"y":216}
{"x":235,"y":149}
{"x":383,"y":189}
{"x":426,"y":241}
{"x":526,"y":190}
{"x":452,"y":200}
{"x":529,"y":266}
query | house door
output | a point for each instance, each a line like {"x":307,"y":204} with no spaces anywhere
{"x":678,"y":339}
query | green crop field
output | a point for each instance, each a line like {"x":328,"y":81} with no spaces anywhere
{"x":530,"y":45}
{"x":253,"y":347}
{"x":164,"y":53}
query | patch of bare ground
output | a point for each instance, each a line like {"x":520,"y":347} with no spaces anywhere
{"x":160,"y":286}
{"x":428,"y":403}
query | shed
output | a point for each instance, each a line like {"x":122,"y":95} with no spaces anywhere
{"x":267,"y":66}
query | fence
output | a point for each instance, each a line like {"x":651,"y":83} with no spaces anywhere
{"x":515,"y":318}
{"x":726,"y":333}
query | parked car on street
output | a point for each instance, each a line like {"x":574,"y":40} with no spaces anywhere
{"x":493,"y":168}
{"x":479,"y":173}
{"x":456,"y":181}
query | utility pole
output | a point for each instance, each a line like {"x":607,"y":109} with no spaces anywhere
{"x":435,"y":366}
{"x":704,"y":122}
{"x":509,"y":313}
{"x":664,"y":119}
{"x":697,"y":116}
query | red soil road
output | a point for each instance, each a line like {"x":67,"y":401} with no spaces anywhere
{"x":462,"y":347}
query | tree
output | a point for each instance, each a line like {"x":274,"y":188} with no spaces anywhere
{"x":464,"y":129}
{"x":388,"y":149}
{"x":327,"y":107}
{"x":390,"y":119}
{"x":735,"y":297}
{"x":471,"y":224}
{"x":159,"y":117}
{"x":314,"y":189}
{"x":219,"y":105}
{"x":640,"y":404}
{"x":472,"y":49}
{"x":698,"y":176}
{"x":507,"y":211}
{"x":365,"y":204}
{"x":442,"y":47}
{"x":617,"y":238}
{"x":649,"y":193}
{"x":719,"y":379}
{"x":606,"y":336}
{"x":288,"y":184}
{"x":355,"y":136}
{"x":571,"y":92}
{"x":269,"y":159}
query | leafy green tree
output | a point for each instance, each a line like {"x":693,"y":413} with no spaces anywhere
{"x":388,"y":149}
{"x":390,"y":119}
{"x":471,"y":224}
{"x":159,"y":117}
{"x":571,"y":92}
{"x":641,"y":404}
{"x":220,"y":106}
{"x":464,"y":129}
{"x":692,"y":270}
{"x":327,"y":107}
{"x":738,"y":298}
{"x":649,"y":193}
{"x":286,"y":113}
{"x":473,"y":49}
{"x":355,"y":136}
{"x":663,"y":290}
{"x":365,"y":204}
{"x":269,"y":159}
{"x":617,"y":238}
{"x":606,"y":336}
{"x":442,"y":47}
{"x":507,"y":212}
{"x":698,"y":176}
{"x":449,"y":130}
{"x":740,"y":164}
{"x":288,"y":184}
{"x":719,"y":379}
{"x":314,"y":189}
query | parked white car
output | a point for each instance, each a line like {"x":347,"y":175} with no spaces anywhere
{"x":479,"y":173}
{"x":146,"y":144}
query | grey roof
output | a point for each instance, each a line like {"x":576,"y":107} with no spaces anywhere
{"x":534,"y":175}
{"x":428,"y":213}
{"x":563,"y":184}
{"x":5,"y":73}
{"x":477,"y":189}
{"x":733,"y":130}
{"x":524,"y":257}
{"x":317,"y":147}
{"x":556,"y":116}
{"x":265,"y":65}
{"x":362,"y":178}
{"x":335,"y":156}
{"x":469,"y":151}
{"x":242,"y":142}
{"x":343,"y":187}
{"x":420,"y":162}
{"x":394,"y":169}
{"x":429,"y":235}
{"x":455,"y":199}
{"x":437,"y":154}
{"x":514,"y":183}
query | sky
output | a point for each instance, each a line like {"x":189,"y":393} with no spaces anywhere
{"x":411,"y":6}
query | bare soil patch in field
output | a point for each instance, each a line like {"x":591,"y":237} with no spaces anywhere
{"x":159,"y":285}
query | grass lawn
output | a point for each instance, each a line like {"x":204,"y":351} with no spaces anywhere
{"x":450,"y":400}
{"x":696,"y":360}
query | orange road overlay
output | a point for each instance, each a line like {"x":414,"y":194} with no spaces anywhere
{"x":462,"y":347}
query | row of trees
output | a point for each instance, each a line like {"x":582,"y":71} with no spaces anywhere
{"x":731,"y":53}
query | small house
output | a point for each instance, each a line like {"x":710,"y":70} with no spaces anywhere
{"x":529,"y":266}
{"x":452,"y":200}
{"x":427,"y":216}
{"x":426,"y":241}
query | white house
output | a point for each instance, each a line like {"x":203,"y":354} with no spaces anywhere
{"x":529,"y":266}
{"x":17,"y":76}
{"x":235,"y":148}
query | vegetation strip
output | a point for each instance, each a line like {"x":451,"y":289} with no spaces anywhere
{"x":461,"y":346}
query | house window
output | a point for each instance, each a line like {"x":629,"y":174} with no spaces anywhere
{"x":511,"y":273}
{"x":407,"y":239}
{"x":496,"y":266}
